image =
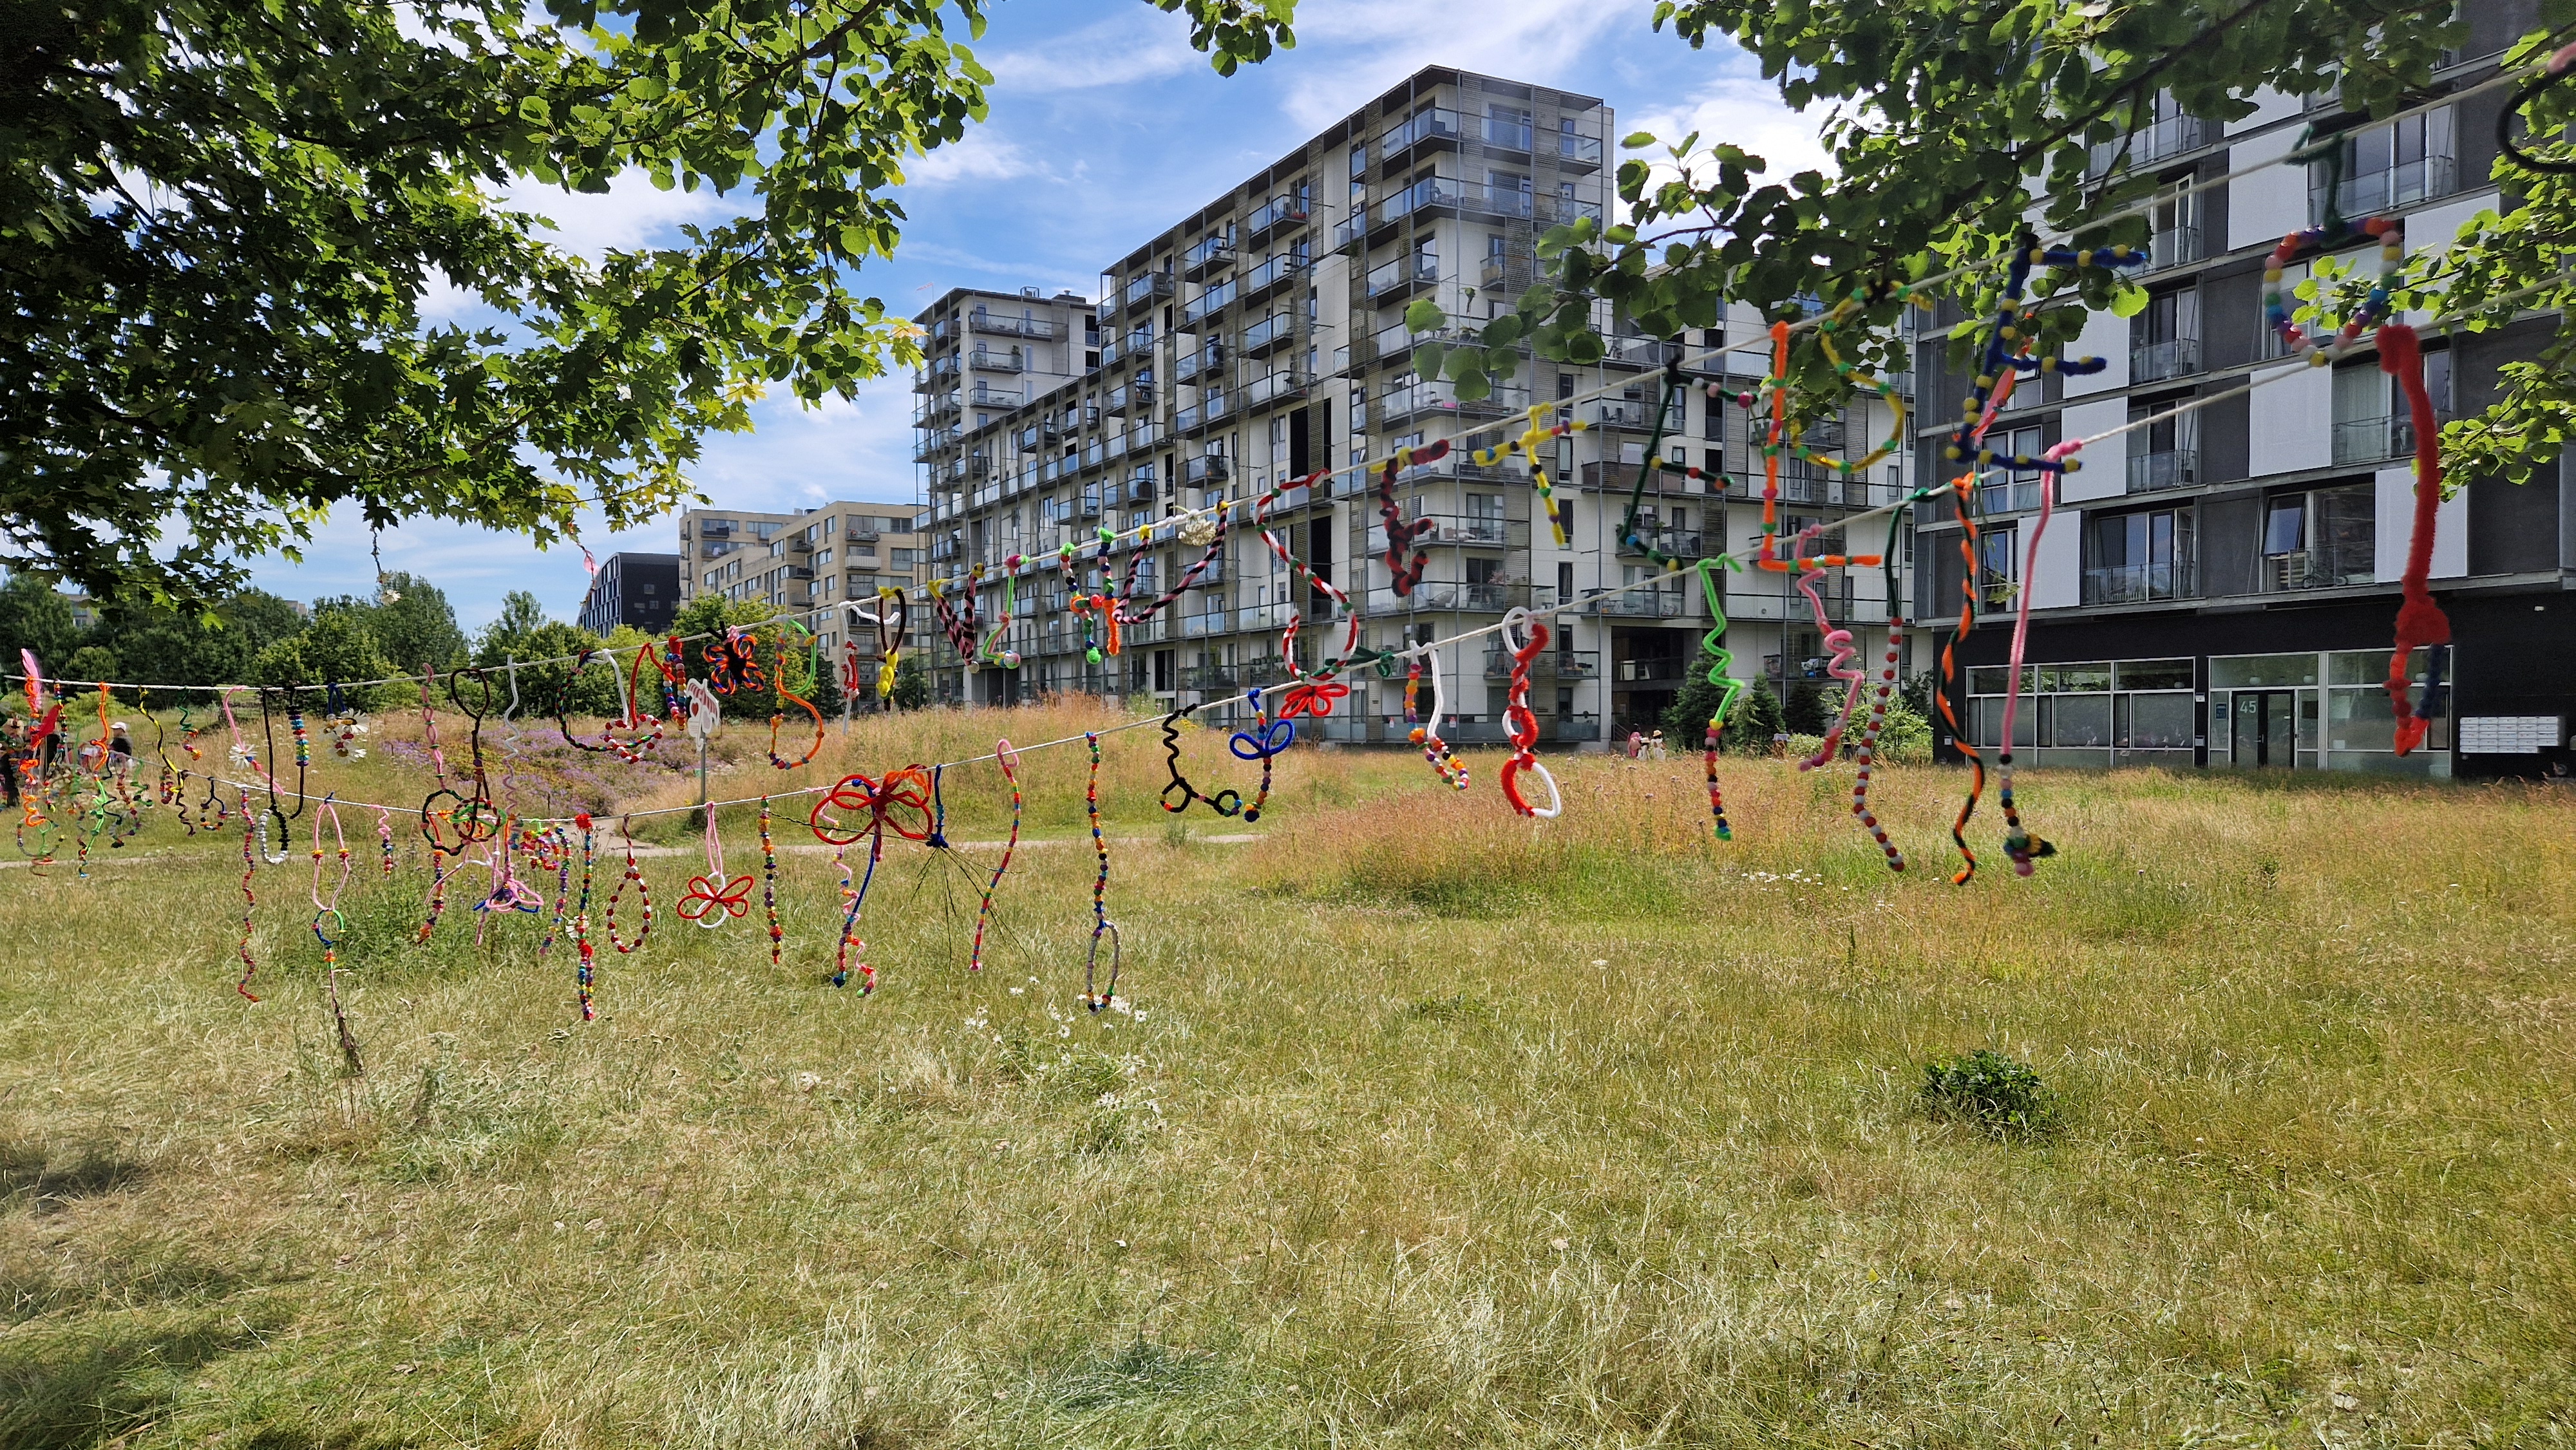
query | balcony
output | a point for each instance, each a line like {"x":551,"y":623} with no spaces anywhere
{"x":2144,"y":148}
{"x":1287,"y":266}
{"x":1477,"y":531}
{"x":2141,"y":583}
{"x":1208,"y":677}
{"x":1145,"y":290}
{"x":2155,"y":361}
{"x":1403,"y":277}
{"x":998,"y":362}
{"x":1420,"y":399}
{"x":993,"y":322}
{"x":1655,"y":602}
{"x":1670,"y":542}
{"x":1285,"y":383}
{"x":1505,"y":274}
{"x":1508,"y":133}
{"x":1207,"y":359}
{"x":1578,"y":152}
{"x":2374,"y":192}
{"x":1472,"y":198}
{"x":932,"y":410}
{"x":1566,"y":211}
{"x":2318,"y":569}
{"x":942,"y":372}
{"x":1549,"y":664}
{"x":1207,"y":255}
{"x":2368,"y":440}
{"x":1271,"y":332}
{"x":1207,"y":302}
{"x":1434,"y":125}
{"x":933,"y":442}
{"x":1137,"y":343}
{"x":1278,"y":211}
{"x":983,"y":395}
{"x":1465,"y":598}
{"x":2170,"y":468}
{"x":2173,"y":246}
{"x":1351,"y":230}
{"x":1668,"y":672}
{"x":1138,"y":395}
{"x":1208,"y":468}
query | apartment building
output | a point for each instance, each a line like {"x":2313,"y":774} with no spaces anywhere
{"x":637,"y":589}
{"x":804,"y":562}
{"x":2220,"y":589}
{"x":1262,"y":339}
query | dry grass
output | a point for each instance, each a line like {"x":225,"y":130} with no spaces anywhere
{"x":1437,"y":1127}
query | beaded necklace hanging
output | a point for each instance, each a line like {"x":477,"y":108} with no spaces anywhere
{"x":1435,"y":750}
{"x":769,"y":885}
{"x":713,"y":898}
{"x":634,"y":877}
{"x":1092,"y":995}
{"x":885,"y":803}
{"x":1009,"y":759}
{"x":559,"y":851}
{"x":1520,"y":721}
{"x":329,"y":909}
{"x":385,"y":840}
{"x":1721,"y":663}
{"x":582,"y":949}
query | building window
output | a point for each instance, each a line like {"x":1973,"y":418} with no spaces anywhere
{"x":2166,"y":452}
{"x":2125,"y":712}
{"x":2137,"y":558}
{"x":2164,"y":339}
{"x":2386,"y":167}
{"x":2371,"y":418}
{"x":2015,"y":491}
{"x":1998,"y":564}
{"x":2323,"y":538}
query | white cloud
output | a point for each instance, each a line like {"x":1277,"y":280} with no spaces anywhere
{"x":1745,"y":111}
{"x":1132,"y":46}
{"x":631,"y":213}
{"x":1387,"y":40}
{"x":984,"y":155}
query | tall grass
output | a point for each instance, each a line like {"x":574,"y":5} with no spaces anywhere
{"x":1431,"y":1125}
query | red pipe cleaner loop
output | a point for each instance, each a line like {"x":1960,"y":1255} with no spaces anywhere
{"x":2420,"y":621}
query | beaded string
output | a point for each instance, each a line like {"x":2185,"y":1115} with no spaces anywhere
{"x":1224,"y":803}
{"x":2019,"y":843}
{"x":1867,"y":754}
{"x":563,"y":888}
{"x":634,"y":877}
{"x":1129,"y":612}
{"x":1009,"y":760}
{"x":1963,"y":487}
{"x":711,"y":899}
{"x":385,"y":840}
{"x":1401,"y":535}
{"x":769,"y":884}
{"x":330,"y":908}
{"x":1101,"y":925}
{"x":1721,"y":664}
{"x":992,"y":652}
{"x":581,"y":918}
{"x":439,"y":871}
{"x":1265,"y":742}
{"x":2008,"y":352}
{"x":1435,"y":750}
{"x":250,"y":899}
{"x":1518,"y":719}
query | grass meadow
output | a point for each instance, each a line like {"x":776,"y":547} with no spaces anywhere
{"x":1430,"y":1126}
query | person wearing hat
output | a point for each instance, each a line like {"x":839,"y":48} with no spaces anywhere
{"x":120,"y":749}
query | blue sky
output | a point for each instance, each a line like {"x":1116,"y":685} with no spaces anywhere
{"x":1105,"y":128}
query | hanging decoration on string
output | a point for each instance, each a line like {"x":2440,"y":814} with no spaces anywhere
{"x":1095,"y":995}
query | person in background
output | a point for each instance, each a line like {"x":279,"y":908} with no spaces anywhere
{"x":120,"y":750}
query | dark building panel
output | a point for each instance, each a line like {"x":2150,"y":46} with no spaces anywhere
{"x":2226,"y":438}
{"x":2513,"y":530}
{"x":2231,"y":535}
{"x":2231,"y":316}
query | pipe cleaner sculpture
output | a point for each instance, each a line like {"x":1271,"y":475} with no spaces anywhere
{"x":1537,"y":430}
{"x":886,"y":805}
{"x":713,"y":898}
{"x":250,"y":899}
{"x":1401,"y":535}
{"x":583,"y":973}
{"x":769,"y":885}
{"x":993,"y":653}
{"x":1435,"y":750}
{"x":2019,"y":844}
{"x":1009,"y":760}
{"x":1265,"y":742}
{"x":1521,"y":722}
{"x":634,"y":877}
{"x":1093,"y":995}
{"x":1720,"y":674}
{"x":2420,"y":621}
{"x":1224,"y":802}
{"x":780,"y":696}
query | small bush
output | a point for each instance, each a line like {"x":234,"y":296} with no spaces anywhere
{"x":2004,"y":1096}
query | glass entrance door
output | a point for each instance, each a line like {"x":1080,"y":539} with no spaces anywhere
{"x":2264,"y":728}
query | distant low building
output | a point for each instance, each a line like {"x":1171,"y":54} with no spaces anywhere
{"x":642,"y":590}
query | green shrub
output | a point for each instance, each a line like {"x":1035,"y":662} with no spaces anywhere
{"x":2000,"y":1094}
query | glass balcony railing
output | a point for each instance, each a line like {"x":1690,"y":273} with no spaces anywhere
{"x":1285,"y":383}
{"x":2154,"y":361}
{"x":2173,"y":246}
{"x":1465,"y":196}
{"x":1278,"y":211}
{"x":2141,"y":583}
{"x":1276,"y":328}
{"x":2320,"y":568}
{"x":1509,"y":133}
{"x":1207,"y":254}
{"x":1207,"y":302}
{"x":993,"y":322}
{"x":1152,"y":286}
{"x":1419,"y":398}
{"x":1549,"y":664}
{"x":1579,"y":150}
{"x":1403,"y":275}
{"x":2373,"y":192}
{"x":1435,"y":124}
{"x":1657,"y":602}
{"x":2368,"y":440}
{"x":998,"y":362}
{"x":1270,"y":273}
{"x":1477,"y":531}
{"x":1670,"y":542}
{"x":2168,"y":468}
{"x":2142,"y":148}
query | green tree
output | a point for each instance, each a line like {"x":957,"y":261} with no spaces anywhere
{"x":776,"y":644}
{"x":218,"y":224}
{"x":1804,"y":714}
{"x":337,"y":648}
{"x":33,"y":616}
{"x":911,"y":683}
{"x":219,"y":645}
{"x":508,"y":634}
{"x":1685,"y":721}
{"x":412,"y":622}
{"x":1755,"y":721}
{"x":91,"y":662}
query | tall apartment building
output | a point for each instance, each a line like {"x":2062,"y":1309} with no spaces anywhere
{"x":2221,"y":588}
{"x":1262,"y":339}
{"x":642,"y":590}
{"x":804,"y":562}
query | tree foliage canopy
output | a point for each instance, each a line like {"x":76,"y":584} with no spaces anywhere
{"x":219,"y":225}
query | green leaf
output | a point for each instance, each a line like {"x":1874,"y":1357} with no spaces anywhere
{"x":1427,"y":357}
{"x":1637,"y":141}
{"x":2128,"y":301}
